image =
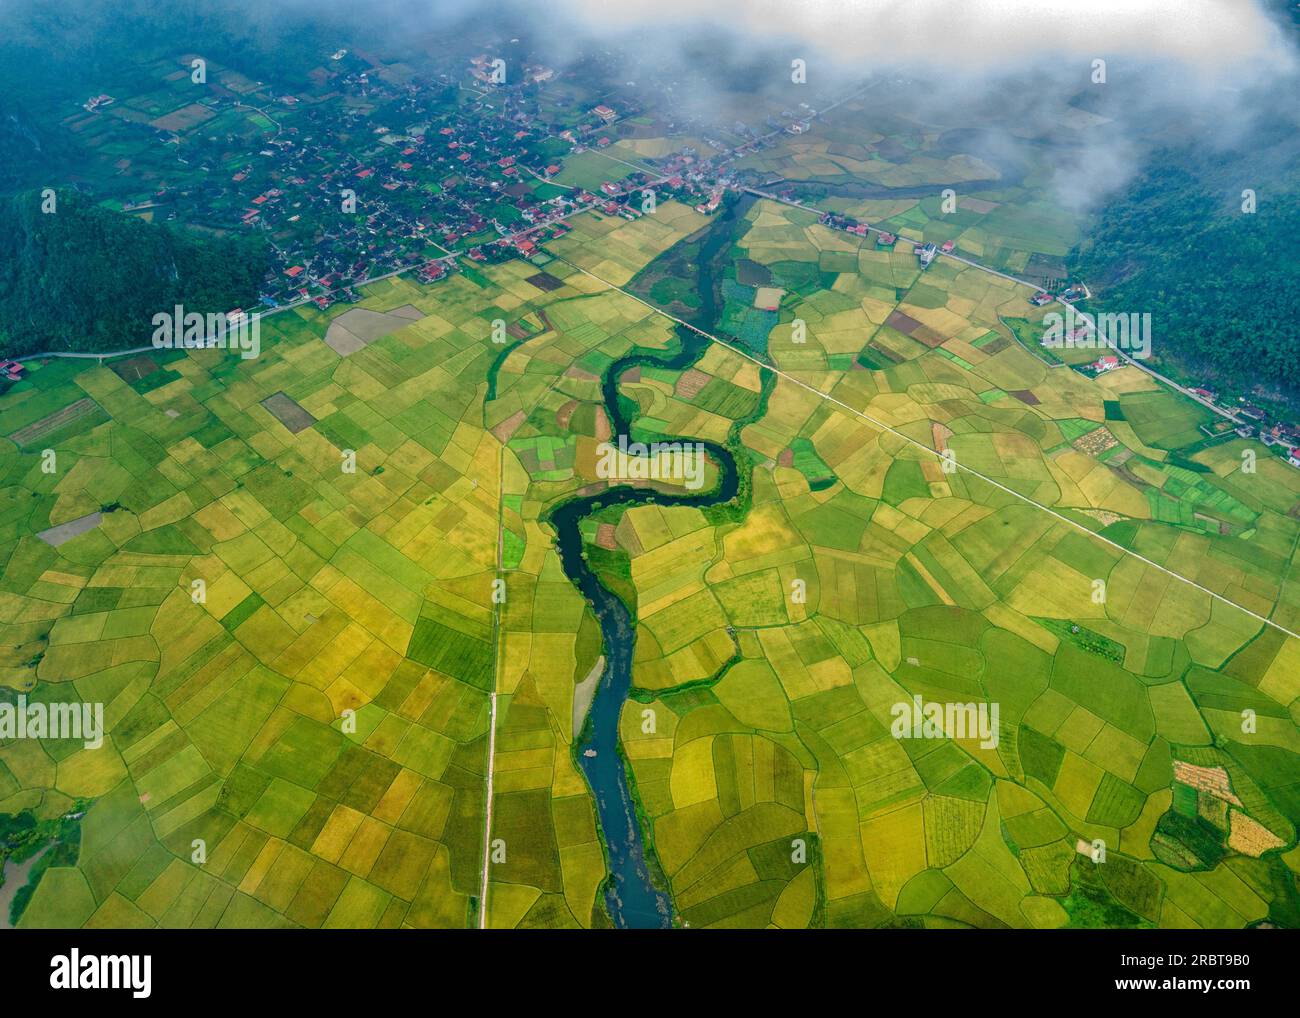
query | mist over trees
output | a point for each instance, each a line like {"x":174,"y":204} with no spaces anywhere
{"x":1221,"y":283}
{"x":1167,"y":241}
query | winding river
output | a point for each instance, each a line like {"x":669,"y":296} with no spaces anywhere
{"x":632,"y":896}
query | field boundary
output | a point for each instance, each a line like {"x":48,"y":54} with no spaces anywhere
{"x":921,"y":445}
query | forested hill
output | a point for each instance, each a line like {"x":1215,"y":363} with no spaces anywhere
{"x":1222,"y":286}
{"x":87,"y":278}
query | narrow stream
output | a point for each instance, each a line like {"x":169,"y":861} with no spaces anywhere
{"x":633,"y":899}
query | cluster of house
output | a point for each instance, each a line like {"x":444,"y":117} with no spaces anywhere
{"x":925,"y":253}
{"x":1251,"y":421}
{"x":846,"y":223}
{"x":1254,"y":422}
{"x":431,"y":272}
{"x":1074,"y":292}
{"x":343,"y":197}
{"x":483,"y":197}
{"x":1286,"y":435}
{"x":11,"y":370}
{"x":368,"y":176}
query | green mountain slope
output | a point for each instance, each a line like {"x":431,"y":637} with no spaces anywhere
{"x":87,"y":278}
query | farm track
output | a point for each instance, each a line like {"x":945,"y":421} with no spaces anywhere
{"x":492,"y":701}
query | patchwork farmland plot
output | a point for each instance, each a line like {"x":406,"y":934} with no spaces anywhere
{"x":316,"y":711}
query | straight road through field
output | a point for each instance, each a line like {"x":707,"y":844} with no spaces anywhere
{"x":958,"y":465}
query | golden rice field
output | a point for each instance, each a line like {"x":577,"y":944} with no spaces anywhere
{"x":297,"y":660}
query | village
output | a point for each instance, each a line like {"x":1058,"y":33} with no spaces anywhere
{"x":371,"y":178}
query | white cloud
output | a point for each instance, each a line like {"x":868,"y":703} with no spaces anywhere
{"x":1218,"y":39}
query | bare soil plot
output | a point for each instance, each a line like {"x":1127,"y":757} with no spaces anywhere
{"x":752,"y":273}
{"x":909,"y":326}
{"x":691,"y":382}
{"x":509,"y":426}
{"x":1096,"y":442}
{"x":545,"y":281}
{"x":184,"y":118}
{"x":65,"y":532}
{"x":359,"y":327}
{"x":287,"y":411}
{"x":134,"y":368}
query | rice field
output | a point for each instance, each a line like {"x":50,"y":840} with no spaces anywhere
{"x":311,"y":572}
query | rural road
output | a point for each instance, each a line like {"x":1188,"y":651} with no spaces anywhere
{"x":1208,"y":404}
